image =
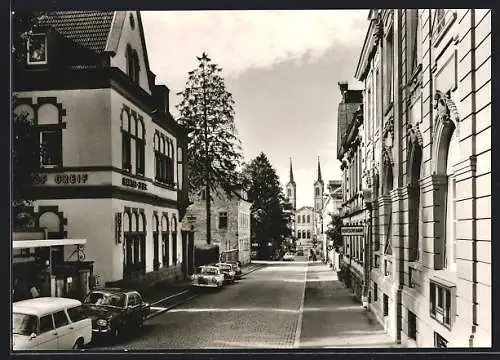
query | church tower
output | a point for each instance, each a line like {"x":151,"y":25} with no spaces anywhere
{"x":291,"y":189}
{"x":319,"y":189}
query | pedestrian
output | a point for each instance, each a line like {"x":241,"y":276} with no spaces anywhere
{"x":34,"y":291}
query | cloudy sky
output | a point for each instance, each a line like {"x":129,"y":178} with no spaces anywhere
{"x":282,"y":68}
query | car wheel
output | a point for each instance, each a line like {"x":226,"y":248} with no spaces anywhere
{"x":78,"y":344}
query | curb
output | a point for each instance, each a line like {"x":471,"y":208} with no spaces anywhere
{"x":255,"y":268}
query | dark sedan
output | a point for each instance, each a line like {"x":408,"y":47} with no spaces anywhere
{"x":114,"y":310}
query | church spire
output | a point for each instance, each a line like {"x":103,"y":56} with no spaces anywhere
{"x":291,"y":171}
{"x":319,"y":172}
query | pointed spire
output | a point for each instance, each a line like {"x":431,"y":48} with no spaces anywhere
{"x":319,"y":171}
{"x":291,"y":171}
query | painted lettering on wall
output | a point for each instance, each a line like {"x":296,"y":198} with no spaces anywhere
{"x":134,"y":184}
{"x":352,"y":230}
{"x":71,"y":178}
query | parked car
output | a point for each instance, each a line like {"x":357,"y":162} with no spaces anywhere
{"x":50,"y":323}
{"x":227,"y":270}
{"x":237,"y":269}
{"x":288,"y":257}
{"x":208,"y":276}
{"x":113,"y":310}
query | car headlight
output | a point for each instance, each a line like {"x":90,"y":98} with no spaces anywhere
{"x":102,"y":322}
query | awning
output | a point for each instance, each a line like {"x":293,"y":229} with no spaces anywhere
{"x":25,"y":244}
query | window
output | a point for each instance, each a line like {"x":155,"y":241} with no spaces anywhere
{"x":439,"y":341}
{"x":133,"y":137}
{"x":223,"y":220}
{"x":441,"y":22}
{"x":440,"y":303}
{"x":376,"y":261}
{"x":412,"y":40}
{"x":386,"y":305}
{"x":133,"y":67}
{"x":133,"y":300}
{"x":317,"y":191}
{"x":46,"y":324}
{"x":165,"y":246}
{"x":126,"y":156}
{"x":388,"y":267}
{"x":180,"y":178}
{"x":451,"y":217}
{"x":298,"y":219}
{"x":375,"y":292}
{"x":299,"y":234}
{"x":378,"y":100}
{"x":308,"y":219}
{"x":76,"y":314}
{"x":389,"y":68}
{"x":60,"y":319}
{"x":51,"y":148}
{"x":173,"y":225}
{"x":289,"y":193}
{"x":164,"y":159}
{"x":412,"y":325}
{"x":37,"y":49}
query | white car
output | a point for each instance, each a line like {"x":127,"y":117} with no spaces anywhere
{"x":288,"y":257}
{"x":208,"y":276}
{"x":50,"y":323}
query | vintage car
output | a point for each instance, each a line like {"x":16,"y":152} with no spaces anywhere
{"x":50,"y":323}
{"x":208,"y":276}
{"x":288,"y":257}
{"x":228,"y":271}
{"x":237,"y":269}
{"x":113,"y":310}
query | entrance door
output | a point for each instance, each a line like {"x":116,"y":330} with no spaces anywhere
{"x":156,"y":262}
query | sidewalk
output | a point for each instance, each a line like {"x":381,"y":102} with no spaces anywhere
{"x":334,"y":318}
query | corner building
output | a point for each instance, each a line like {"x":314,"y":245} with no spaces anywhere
{"x":112,"y":171}
{"x":431,"y":262}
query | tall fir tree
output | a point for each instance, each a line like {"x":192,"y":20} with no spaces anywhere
{"x":214,"y":150}
{"x":269,"y":218}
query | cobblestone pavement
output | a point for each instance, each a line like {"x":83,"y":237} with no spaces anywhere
{"x":272,"y":307}
{"x":259,"y":311}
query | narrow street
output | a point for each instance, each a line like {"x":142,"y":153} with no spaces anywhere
{"x":280,"y":305}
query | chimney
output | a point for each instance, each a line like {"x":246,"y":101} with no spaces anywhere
{"x":161,"y":95}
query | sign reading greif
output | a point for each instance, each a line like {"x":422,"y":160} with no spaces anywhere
{"x":352,"y":230}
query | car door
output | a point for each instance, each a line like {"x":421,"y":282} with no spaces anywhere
{"x":80,"y":323}
{"x":47,"y":334}
{"x":65,"y":333}
{"x":133,"y":308}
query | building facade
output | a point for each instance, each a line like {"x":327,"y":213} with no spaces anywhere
{"x":231,"y":228}
{"x":332,"y":203}
{"x":355,"y":211}
{"x":112,"y":167}
{"x":304,"y":225}
{"x":431,"y":254}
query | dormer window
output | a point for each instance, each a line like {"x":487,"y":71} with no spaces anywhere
{"x":37,"y":49}
{"x":133,"y":67}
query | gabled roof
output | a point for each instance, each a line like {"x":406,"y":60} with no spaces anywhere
{"x":87,"y":28}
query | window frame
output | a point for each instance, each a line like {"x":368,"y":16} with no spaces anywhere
{"x":28,"y":50}
{"x":223,"y":225}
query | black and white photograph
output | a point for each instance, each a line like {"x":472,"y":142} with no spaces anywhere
{"x":250,"y":179}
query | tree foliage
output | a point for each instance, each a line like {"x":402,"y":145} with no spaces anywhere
{"x":207,"y":113}
{"x":23,"y":24}
{"x":269,"y":218}
{"x":333,"y":230}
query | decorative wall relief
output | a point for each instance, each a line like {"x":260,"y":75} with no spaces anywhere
{"x":446,"y":111}
{"x":388,"y":143}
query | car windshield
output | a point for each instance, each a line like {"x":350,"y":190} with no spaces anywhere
{"x":208,"y":271}
{"x":106,"y":299}
{"x":24,"y":324}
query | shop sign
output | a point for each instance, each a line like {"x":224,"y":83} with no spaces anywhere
{"x":255,"y":244}
{"x":134,"y":184}
{"x":66,"y":179}
{"x":118,"y":228}
{"x":352,"y":231}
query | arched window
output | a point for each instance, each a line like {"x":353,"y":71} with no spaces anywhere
{"x":165,"y":246}
{"x":415,"y":204}
{"x":317,"y":191}
{"x":134,"y":234}
{"x":126,"y":139}
{"x":50,"y":135}
{"x":174,"y":239}
{"x":308,"y":219}
{"x":451,"y":214}
{"x":133,"y":67}
{"x":140,"y":145}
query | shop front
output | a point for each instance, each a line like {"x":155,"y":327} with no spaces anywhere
{"x":37,"y":264}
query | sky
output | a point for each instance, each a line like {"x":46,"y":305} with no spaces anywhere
{"x":283,"y":69}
